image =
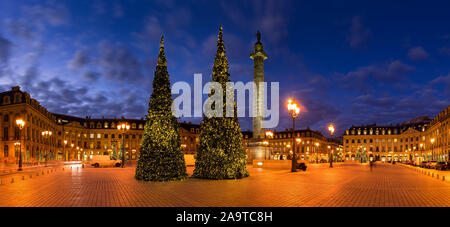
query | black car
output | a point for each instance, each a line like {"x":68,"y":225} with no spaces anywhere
{"x":442,"y":166}
{"x":423,"y":164}
{"x":301,"y":166}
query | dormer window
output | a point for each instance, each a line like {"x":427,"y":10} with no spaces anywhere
{"x":141,"y":126}
{"x":106,"y":124}
{"x":99,"y":125}
{"x":133,"y":126}
{"x":17,"y":98}
{"x":6,"y":100}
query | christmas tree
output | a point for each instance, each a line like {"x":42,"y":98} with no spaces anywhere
{"x":161,"y":157}
{"x":221,"y":154}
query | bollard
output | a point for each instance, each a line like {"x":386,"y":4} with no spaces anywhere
{"x":443,"y":178}
{"x":31,"y":176}
{"x":37,"y":174}
{"x":12,"y":180}
{"x":23,"y":177}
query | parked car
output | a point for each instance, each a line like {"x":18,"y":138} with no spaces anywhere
{"x":423,"y":164}
{"x":431,"y":164}
{"x":104,"y":160}
{"x":442,"y":166}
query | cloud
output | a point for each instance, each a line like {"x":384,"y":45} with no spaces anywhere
{"x":363,"y":78}
{"x":52,"y":13}
{"x":152,"y":30}
{"x":358,"y":34}
{"x":91,"y":76}
{"x":117,"y":62}
{"x":442,"y":81}
{"x":270,"y":17}
{"x":417,"y":54}
{"x":20,"y":28}
{"x":445,"y":50}
{"x":5,"y":50}
{"x":79,"y":60}
{"x":118,"y":10}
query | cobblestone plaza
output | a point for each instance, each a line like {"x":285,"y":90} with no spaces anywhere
{"x":348,"y":184}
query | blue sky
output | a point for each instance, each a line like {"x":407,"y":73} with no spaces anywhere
{"x":347,"y":62}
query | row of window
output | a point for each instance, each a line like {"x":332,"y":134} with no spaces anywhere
{"x":395,"y":140}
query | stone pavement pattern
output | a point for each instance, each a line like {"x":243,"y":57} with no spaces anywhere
{"x":344,"y":185}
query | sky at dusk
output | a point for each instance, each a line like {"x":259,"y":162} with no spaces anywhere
{"x":347,"y":62}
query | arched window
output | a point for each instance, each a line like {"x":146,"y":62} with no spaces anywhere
{"x":6,"y":118}
{"x":6,"y":151}
{"x":133,"y":126}
{"x":99,"y":125}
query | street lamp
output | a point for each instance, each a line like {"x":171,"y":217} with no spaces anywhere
{"x":64,"y":151}
{"x":72,"y":150}
{"x":20,"y":123}
{"x":123,"y":128}
{"x":269,"y":134}
{"x":331,"y":130}
{"x":317,"y":151}
{"x":46,"y":135}
{"x":432,"y":140}
{"x":294,"y":111}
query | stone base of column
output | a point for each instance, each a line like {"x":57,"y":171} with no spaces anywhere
{"x":257,"y":151}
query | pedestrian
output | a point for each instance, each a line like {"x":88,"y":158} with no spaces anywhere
{"x":371,"y":165}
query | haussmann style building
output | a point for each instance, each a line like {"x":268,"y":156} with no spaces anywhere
{"x":422,"y":137}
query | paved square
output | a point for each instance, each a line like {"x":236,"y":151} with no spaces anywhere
{"x":344,"y":185}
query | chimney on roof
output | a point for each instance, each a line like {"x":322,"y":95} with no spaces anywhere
{"x":15,"y":88}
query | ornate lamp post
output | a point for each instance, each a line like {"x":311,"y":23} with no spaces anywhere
{"x":20,"y":123}
{"x":317,"y":151}
{"x":432,"y":140}
{"x":46,"y":135}
{"x":269,"y":135}
{"x":298,"y":140}
{"x":331,"y":130}
{"x":66,"y":156}
{"x":123,"y":128}
{"x":71,"y":150}
{"x":294,"y":111}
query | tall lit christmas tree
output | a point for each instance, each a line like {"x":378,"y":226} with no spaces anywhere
{"x":161,"y":157}
{"x":221,"y":153}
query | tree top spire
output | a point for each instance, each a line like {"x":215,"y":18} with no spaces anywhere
{"x":162,"y":55}
{"x":221,"y":63}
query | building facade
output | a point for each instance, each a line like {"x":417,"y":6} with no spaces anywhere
{"x":310,"y":145}
{"x":72,"y":138}
{"x":418,"y":138}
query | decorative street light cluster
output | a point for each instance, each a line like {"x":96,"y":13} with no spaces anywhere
{"x":294,"y":111}
{"x":123,"y":128}
{"x":331,"y":130}
{"x":20,"y":123}
{"x":46,"y":135}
